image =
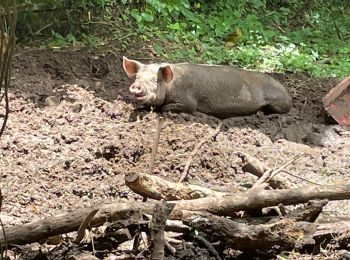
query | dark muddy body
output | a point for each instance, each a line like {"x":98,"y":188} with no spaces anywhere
{"x":221,"y":91}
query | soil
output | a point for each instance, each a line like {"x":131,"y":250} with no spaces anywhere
{"x":73,"y":134}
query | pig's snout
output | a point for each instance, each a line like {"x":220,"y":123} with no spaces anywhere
{"x":136,"y":88}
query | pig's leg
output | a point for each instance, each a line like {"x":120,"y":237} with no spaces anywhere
{"x":178,"y":108}
{"x":277,"y":107}
{"x":182,"y":103}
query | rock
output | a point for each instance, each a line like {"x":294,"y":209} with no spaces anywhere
{"x":52,"y":101}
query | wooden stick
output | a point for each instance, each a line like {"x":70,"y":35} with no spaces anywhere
{"x":196,"y":149}
{"x":161,"y":213}
{"x":157,"y":188}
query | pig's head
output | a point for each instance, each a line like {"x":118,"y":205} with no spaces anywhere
{"x":150,"y":81}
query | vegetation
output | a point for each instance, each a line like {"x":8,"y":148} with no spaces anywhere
{"x":281,"y":35}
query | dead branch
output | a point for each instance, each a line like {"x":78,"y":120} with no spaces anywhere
{"x":157,"y":188}
{"x":226,"y":206}
{"x":277,"y":171}
{"x":271,"y":174}
{"x":169,"y":247}
{"x":257,"y":168}
{"x":61,"y":224}
{"x":176,"y":226}
{"x":284,"y":233}
{"x":161,"y":213}
{"x":300,"y":178}
{"x":196,"y":149}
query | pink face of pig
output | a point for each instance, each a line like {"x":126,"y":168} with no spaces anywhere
{"x":150,"y":81}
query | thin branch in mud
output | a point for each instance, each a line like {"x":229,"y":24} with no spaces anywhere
{"x":196,"y":149}
{"x":3,"y":249}
{"x":263,"y":179}
{"x":301,"y":178}
{"x":275,"y":172}
{"x":155,"y":145}
{"x":270,"y":174}
{"x":8,"y":21}
{"x":257,"y":168}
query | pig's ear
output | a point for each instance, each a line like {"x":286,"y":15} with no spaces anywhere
{"x":165,"y":73}
{"x":131,"y":67}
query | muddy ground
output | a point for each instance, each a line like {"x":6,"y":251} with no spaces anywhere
{"x":73,"y":134}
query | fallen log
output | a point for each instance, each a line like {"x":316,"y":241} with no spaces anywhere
{"x":157,"y":188}
{"x":65,"y":223}
{"x":285,"y":233}
{"x":226,"y":206}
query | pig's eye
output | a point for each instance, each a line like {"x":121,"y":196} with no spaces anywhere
{"x":154,"y":80}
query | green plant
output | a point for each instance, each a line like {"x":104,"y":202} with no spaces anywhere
{"x":294,"y":35}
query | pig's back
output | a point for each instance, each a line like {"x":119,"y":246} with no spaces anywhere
{"x":225,"y":91}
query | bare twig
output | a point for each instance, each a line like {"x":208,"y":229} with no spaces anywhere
{"x":275,"y":172}
{"x":84,"y":225}
{"x":263,"y":179}
{"x":7,"y":43}
{"x":299,"y":177}
{"x":196,"y":149}
{"x":257,"y":168}
{"x":270,"y":174}
{"x":155,"y":145}
{"x":3,"y":248}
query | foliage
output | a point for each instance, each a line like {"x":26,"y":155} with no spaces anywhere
{"x":284,"y":35}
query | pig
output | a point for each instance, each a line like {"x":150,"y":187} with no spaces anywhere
{"x":220,"y":91}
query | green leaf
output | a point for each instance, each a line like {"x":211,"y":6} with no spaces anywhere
{"x":147,"y":17}
{"x":174,"y":26}
{"x":135,"y":13}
